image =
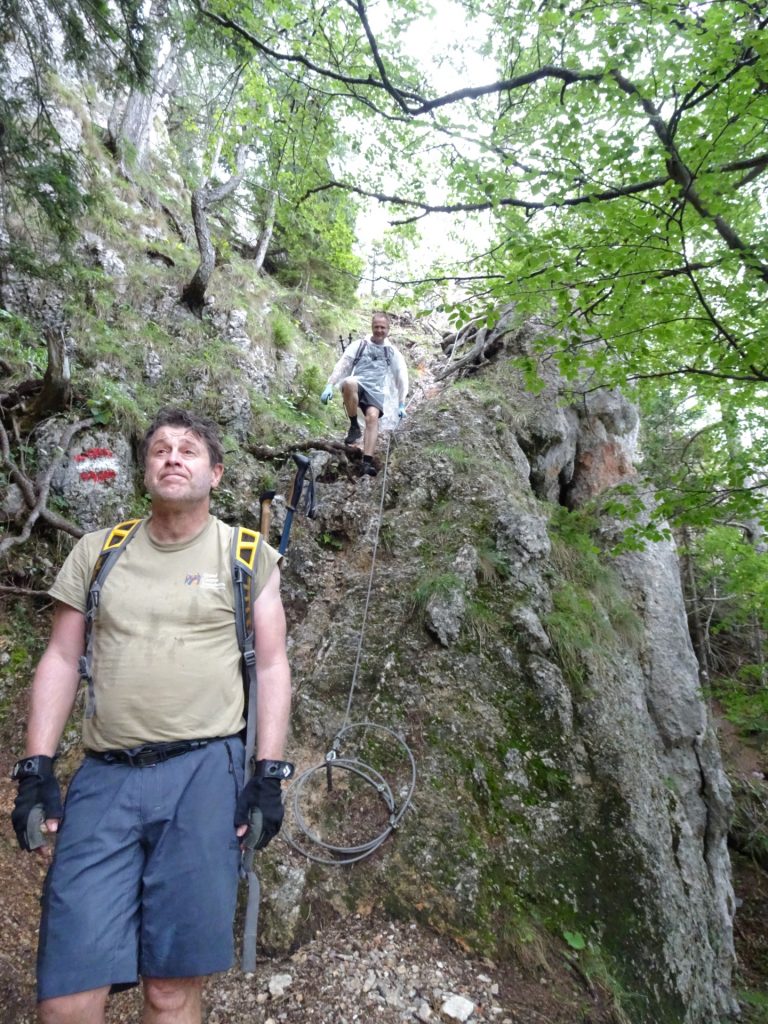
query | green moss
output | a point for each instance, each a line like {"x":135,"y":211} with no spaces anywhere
{"x":307,"y":386}
{"x":282,"y":329}
{"x":22,"y":346}
{"x":22,"y":642}
{"x":461,"y":459}
{"x":603,"y":879}
{"x":429,"y":585}
{"x":754,"y":1006}
{"x":591,"y":619}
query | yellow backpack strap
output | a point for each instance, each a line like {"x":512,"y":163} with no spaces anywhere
{"x":119,"y":535}
{"x":114,"y":544}
{"x":245,"y":548}
{"x":245,"y":552}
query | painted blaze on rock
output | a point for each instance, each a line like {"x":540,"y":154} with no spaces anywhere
{"x":97,"y":465}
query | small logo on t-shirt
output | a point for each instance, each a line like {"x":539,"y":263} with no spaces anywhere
{"x":204,"y":580}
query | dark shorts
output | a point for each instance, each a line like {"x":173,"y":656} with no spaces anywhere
{"x":144,"y":876}
{"x":366,"y":401}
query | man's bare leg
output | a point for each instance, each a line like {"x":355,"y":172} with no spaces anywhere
{"x":172,"y":1001}
{"x":371,"y":434}
{"x":349,"y":397}
{"x":79,"y":1008}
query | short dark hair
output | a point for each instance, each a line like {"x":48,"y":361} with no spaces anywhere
{"x":171,"y":416}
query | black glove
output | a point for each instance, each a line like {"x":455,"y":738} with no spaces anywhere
{"x":38,"y":799}
{"x":260,"y":807}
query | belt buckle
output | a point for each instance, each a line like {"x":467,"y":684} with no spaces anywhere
{"x":146,"y":756}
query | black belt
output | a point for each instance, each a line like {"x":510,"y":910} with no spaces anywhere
{"x":150,"y":753}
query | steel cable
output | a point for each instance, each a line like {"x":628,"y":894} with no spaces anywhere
{"x":330,"y":853}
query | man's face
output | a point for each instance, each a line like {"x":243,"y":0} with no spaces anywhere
{"x":178,"y":467}
{"x":379,"y":328}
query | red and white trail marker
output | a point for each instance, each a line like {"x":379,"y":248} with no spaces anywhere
{"x":97,"y":465}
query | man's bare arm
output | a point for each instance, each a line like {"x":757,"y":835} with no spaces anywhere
{"x":273,"y":674}
{"x":56,"y":680}
{"x":53,"y":692}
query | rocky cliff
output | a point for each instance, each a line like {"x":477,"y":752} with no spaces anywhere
{"x":455,"y":612}
{"x":568,"y":783}
{"x":567,"y":770}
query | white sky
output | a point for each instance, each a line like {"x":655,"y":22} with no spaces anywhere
{"x":427,"y":42}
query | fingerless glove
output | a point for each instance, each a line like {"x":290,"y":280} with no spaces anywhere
{"x":38,"y":799}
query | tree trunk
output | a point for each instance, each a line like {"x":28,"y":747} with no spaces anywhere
{"x":755,"y":535}
{"x":203,"y":197}
{"x":5,"y":240}
{"x":265,"y":236}
{"x":129,"y":124}
{"x":696,"y":625}
{"x":57,"y":386}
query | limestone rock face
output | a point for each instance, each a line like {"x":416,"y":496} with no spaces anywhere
{"x":605,"y":446}
{"x":95,"y":478}
{"x":580,"y":778}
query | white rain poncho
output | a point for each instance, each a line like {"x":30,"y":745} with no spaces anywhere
{"x":381,"y":370}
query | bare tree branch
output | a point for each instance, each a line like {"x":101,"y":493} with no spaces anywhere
{"x":359,"y":8}
{"x":522,"y":204}
{"x":756,"y":164}
{"x":193,"y":295}
{"x":36,"y":494}
{"x":263,"y":451}
{"x":25,"y":592}
{"x":298,"y":58}
{"x":684,"y":177}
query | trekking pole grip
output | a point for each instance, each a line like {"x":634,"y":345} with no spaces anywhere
{"x":265,"y":506}
{"x":302,"y":465}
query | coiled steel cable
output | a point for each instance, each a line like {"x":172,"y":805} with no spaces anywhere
{"x":330,"y":853}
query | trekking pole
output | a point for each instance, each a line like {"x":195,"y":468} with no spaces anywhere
{"x":253,"y":835}
{"x":265,"y":514}
{"x":302,"y":465}
{"x":251,"y":924}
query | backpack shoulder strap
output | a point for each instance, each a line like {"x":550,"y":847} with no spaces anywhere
{"x":245,"y":549}
{"x":116,"y":541}
{"x":244,"y":555}
{"x":359,"y":353}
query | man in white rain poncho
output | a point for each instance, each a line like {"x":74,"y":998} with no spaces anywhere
{"x":374,"y":380}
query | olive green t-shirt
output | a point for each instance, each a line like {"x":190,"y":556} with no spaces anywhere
{"x":166,"y":663}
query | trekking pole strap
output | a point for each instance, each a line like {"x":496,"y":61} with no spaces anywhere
{"x":303,"y":466}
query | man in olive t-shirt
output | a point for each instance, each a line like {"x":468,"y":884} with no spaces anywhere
{"x":143,"y":880}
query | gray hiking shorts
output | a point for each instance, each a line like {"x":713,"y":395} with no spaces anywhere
{"x":366,"y":400}
{"x":144,"y":875}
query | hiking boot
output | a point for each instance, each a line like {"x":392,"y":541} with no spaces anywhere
{"x":354,"y":435}
{"x":369,"y":469}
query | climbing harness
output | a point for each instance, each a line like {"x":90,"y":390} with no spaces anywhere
{"x":329,"y":853}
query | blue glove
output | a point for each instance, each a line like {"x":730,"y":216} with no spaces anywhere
{"x":401,"y":411}
{"x":326,"y":395}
